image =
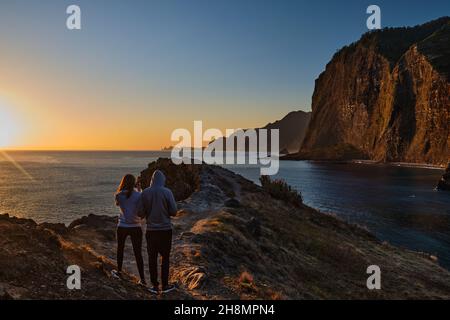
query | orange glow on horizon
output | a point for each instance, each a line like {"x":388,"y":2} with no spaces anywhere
{"x":50,"y":122}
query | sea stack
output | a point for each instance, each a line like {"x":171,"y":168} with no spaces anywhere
{"x":444,"y":183}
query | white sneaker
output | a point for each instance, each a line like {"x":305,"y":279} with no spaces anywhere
{"x":153,"y":290}
{"x":116,"y":274}
{"x":168,"y":288}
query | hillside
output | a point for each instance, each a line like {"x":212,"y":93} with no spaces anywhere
{"x":385,"y":98}
{"x":232,"y":240}
{"x":292,"y":131}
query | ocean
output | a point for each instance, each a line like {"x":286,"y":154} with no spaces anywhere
{"x":397,"y":204}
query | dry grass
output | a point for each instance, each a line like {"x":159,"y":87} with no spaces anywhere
{"x":279,"y":189}
{"x":246,"y":279}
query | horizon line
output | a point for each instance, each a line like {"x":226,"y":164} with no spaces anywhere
{"x":82,"y":150}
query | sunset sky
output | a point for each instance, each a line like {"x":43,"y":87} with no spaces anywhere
{"x":139,"y":69}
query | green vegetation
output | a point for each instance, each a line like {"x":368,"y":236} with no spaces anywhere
{"x":279,"y":189}
{"x":392,"y":43}
{"x":437,"y":49}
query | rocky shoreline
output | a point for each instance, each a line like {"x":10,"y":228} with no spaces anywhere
{"x":232,"y":240}
{"x":444,"y":183}
{"x":296,"y":157}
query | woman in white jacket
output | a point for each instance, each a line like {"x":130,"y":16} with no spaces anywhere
{"x":130,"y":224}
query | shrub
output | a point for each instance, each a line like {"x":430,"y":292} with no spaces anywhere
{"x":182,"y":179}
{"x":279,"y":189}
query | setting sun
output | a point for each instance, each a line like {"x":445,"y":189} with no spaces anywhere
{"x":8,"y":126}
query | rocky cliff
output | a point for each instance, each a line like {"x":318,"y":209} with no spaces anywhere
{"x":385,"y":98}
{"x":232,"y":240}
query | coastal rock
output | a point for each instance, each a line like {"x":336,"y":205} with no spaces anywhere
{"x":91,"y":220}
{"x":104,"y":225}
{"x":444,"y":183}
{"x":182,"y":179}
{"x":59,"y":228}
{"x":385,"y":98}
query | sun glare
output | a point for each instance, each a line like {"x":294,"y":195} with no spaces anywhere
{"x":8,"y":127}
{"x":8,"y":130}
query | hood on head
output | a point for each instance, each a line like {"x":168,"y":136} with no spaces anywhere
{"x":158,"y":179}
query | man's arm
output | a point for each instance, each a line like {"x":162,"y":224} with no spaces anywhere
{"x":141,"y":208}
{"x":172,"y":204}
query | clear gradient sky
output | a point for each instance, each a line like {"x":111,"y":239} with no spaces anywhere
{"x":139,"y":69}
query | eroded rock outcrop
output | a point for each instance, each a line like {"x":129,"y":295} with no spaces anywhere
{"x":385,"y":98}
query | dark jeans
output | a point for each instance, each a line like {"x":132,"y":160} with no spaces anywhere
{"x":136,"y":239}
{"x":159,"y":242}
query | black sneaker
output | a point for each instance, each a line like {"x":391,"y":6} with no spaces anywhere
{"x":169,"y":288}
{"x":153,"y":290}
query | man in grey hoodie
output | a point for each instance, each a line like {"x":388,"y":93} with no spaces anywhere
{"x":157,"y":205}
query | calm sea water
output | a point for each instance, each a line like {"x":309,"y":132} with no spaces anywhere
{"x":398,"y":204}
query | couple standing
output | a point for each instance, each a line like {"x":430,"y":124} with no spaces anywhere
{"x":156,"y":205}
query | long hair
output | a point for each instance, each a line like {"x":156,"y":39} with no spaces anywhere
{"x":127,"y":184}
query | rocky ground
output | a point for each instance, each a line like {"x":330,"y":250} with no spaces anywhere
{"x":232,"y":240}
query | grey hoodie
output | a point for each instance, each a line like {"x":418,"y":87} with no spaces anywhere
{"x":128,"y":217}
{"x":158,"y":204}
